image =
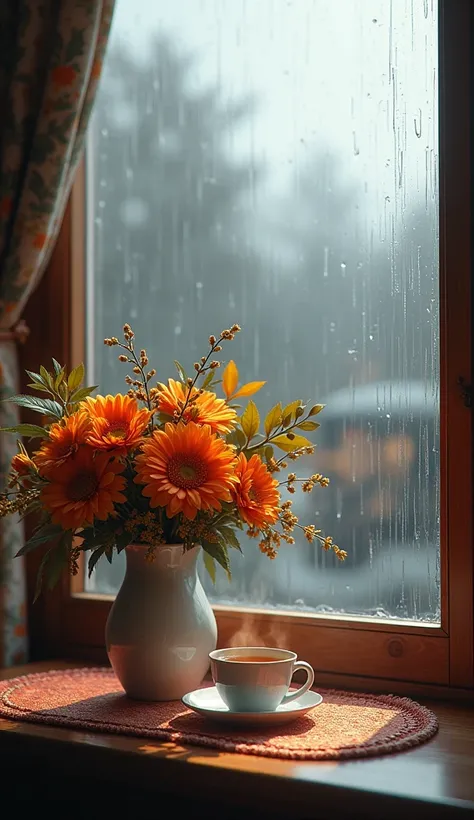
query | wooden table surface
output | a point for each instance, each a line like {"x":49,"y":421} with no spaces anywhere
{"x":435,"y":780}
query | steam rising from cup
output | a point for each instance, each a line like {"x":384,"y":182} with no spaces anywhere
{"x":251,"y":634}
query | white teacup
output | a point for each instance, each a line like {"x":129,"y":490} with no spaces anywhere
{"x":257,"y":678}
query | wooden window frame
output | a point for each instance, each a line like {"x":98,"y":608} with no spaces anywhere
{"x":345,"y":651}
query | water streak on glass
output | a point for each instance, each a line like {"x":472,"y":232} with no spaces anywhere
{"x":275,"y":164}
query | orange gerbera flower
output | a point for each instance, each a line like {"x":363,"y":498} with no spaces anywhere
{"x":117,"y":423}
{"x":206,"y":409}
{"x":256,"y":494}
{"x":64,"y":440}
{"x":84,"y":488}
{"x":22,"y":467}
{"x":186,"y":468}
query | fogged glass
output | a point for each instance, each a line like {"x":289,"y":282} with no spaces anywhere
{"x":275,"y":164}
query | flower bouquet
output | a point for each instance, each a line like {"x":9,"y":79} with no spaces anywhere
{"x":165,"y":463}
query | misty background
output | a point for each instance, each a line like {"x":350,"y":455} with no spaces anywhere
{"x":274,"y":164}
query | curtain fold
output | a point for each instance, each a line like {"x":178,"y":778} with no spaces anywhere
{"x":51,"y":54}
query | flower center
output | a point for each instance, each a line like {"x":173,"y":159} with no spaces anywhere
{"x":66,"y":449}
{"x":117,"y":430}
{"x":186,"y":472}
{"x":82,"y":486}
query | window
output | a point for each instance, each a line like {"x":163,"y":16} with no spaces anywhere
{"x":295,"y":193}
{"x":280,"y":166}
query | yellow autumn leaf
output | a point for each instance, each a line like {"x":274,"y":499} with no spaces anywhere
{"x":316,"y":409}
{"x":250,"y":420}
{"x":273,"y":419}
{"x":248,"y":389}
{"x":230,"y":378}
{"x":308,"y":425}
{"x":288,"y":445}
{"x":289,"y":411}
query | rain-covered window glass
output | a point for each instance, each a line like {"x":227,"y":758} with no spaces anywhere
{"x":275,"y":164}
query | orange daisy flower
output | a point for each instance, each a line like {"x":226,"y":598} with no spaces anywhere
{"x":84,"y":488}
{"x":186,"y":468}
{"x":117,"y":423}
{"x":206,"y":409}
{"x":64,"y":441}
{"x":256,"y":494}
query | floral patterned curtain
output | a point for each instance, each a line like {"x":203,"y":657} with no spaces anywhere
{"x":50,"y":61}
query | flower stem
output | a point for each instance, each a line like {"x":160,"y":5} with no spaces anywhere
{"x":199,"y":372}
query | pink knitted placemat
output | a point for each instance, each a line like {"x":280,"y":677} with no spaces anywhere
{"x":345,"y":725}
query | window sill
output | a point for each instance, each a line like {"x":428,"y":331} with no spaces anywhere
{"x":433,"y":780}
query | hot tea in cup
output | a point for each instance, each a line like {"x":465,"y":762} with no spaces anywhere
{"x":257,"y":679}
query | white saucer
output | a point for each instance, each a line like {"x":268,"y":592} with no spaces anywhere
{"x":208,"y":702}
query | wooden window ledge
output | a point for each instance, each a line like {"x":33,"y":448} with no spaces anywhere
{"x":93,"y":772}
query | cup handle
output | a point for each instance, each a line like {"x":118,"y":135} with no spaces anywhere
{"x":307,"y":685}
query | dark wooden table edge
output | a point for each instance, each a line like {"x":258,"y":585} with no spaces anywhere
{"x":248,"y":789}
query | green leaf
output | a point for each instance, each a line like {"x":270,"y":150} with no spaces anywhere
{"x":163,"y":418}
{"x":181,"y":372}
{"x":123,"y":540}
{"x":98,"y":553}
{"x":45,"y":406}
{"x":109,"y":552}
{"x":273,"y":419}
{"x":46,"y":377}
{"x":39,"y":577}
{"x":269,"y":452}
{"x":219,"y":553}
{"x":37,"y":380}
{"x":75,"y":378}
{"x":48,"y":532}
{"x":208,"y":380}
{"x":308,"y":425}
{"x":59,"y":560}
{"x":82,"y":394}
{"x":28,"y":430}
{"x":237,"y":438}
{"x":316,"y":409}
{"x":288,"y":445}
{"x":59,"y":383}
{"x":41,"y":387}
{"x":94,"y":538}
{"x":34,"y":376}
{"x":253,"y":451}
{"x":289,"y":413}
{"x":210,"y":565}
{"x":250,"y":420}
{"x":230,"y":537}
{"x":57,"y":367}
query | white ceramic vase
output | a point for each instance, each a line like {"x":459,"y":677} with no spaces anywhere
{"x":161,"y":626}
